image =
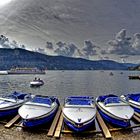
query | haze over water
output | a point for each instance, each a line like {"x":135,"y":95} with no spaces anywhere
{"x":68,"y":83}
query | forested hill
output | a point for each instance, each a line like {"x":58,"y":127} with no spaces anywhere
{"x":23,"y":58}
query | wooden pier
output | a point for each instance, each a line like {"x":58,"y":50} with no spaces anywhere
{"x":58,"y":128}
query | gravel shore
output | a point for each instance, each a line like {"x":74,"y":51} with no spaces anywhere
{"x":17,"y":133}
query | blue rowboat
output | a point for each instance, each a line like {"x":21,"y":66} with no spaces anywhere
{"x":9,"y":104}
{"x":39,"y":110}
{"x":133,"y":100}
{"x":114,"y":110}
{"x":79,"y":112}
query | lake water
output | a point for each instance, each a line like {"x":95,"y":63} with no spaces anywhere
{"x":68,"y":83}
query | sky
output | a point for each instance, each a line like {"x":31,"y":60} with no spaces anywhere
{"x":91,"y":29}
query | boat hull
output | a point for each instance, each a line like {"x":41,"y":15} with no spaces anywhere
{"x":79,"y":112}
{"x":36,"y":84}
{"x":136,"y":109}
{"x":114,"y":110}
{"x":39,"y":121}
{"x":114,"y":121}
{"x":79,"y":127}
{"x":9,"y":106}
{"x":39,"y":112}
{"x":9,"y":112}
{"x":134,"y":104}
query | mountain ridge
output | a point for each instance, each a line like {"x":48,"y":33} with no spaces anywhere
{"x":23,"y":58}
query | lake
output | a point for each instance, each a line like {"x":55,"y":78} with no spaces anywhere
{"x":68,"y":83}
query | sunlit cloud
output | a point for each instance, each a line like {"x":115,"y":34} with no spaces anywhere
{"x":4,"y":2}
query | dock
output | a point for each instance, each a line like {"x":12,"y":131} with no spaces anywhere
{"x":58,"y":128}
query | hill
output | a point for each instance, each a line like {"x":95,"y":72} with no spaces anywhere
{"x":23,"y":58}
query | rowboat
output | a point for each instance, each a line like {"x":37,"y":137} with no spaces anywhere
{"x":79,"y":112}
{"x":133,"y":100}
{"x":39,"y":110}
{"x":9,"y":104}
{"x":114,"y":110}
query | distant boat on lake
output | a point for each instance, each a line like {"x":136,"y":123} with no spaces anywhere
{"x":25,"y":70}
{"x":3,"y":72}
{"x":37,"y":82}
{"x":111,"y":74}
{"x":134,"y":77}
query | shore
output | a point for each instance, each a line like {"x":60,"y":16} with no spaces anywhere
{"x":17,"y":133}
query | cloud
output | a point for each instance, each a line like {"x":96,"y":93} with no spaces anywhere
{"x":14,"y":44}
{"x":60,"y":48}
{"x":103,"y":52}
{"x":136,"y":44}
{"x":123,"y":45}
{"x":79,"y":53}
{"x":49,"y":45}
{"x":22,"y":46}
{"x":124,"y":56}
{"x":40,"y":50}
{"x":65,"y":50}
{"x":71,"y":50}
{"x":106,"y":57}
{"x":5,"y":43}
{"x":88,"y":50}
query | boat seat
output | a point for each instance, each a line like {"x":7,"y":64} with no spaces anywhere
{"x":80,"y":97}
{"x":79,"y":102}
{"x":42,"y":100}
{"x":135,"y":97}
{"x":17,"y":95}
{"x":102,"y":98}
{"x":111,"y":100}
